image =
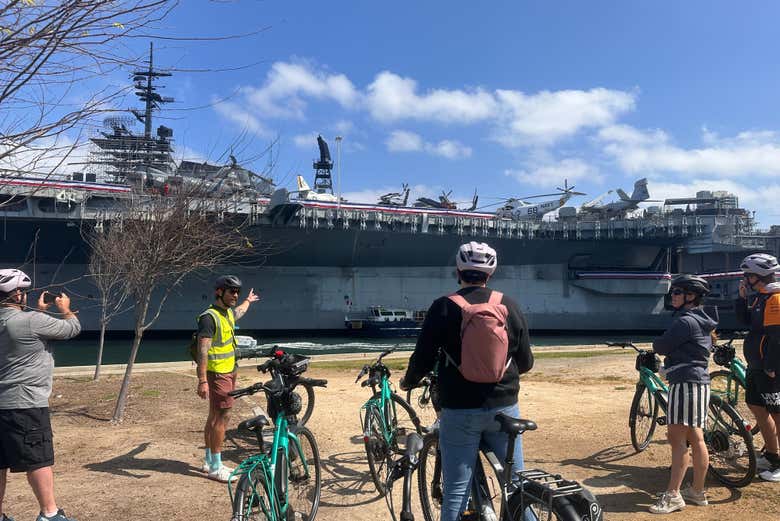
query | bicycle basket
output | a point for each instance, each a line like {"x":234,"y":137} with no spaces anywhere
{"x":724,"y":355}
{"x":293,"y":365}
{"x":648,"y":361}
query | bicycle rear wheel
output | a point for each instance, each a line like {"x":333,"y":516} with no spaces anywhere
{"x":730,"y":388}
{"x":730,"y":445}
{"x":304,"y":485}
{"x":642,"y":418}
{"x":250,"y":502}
{"x":429,"y":479}
{"x":534,"y":502}
{"x":377,"y":450}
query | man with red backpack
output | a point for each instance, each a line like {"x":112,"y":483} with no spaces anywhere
{"x":480,"y":340}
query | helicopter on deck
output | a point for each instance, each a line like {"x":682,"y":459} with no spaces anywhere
{"x":522,"y":210}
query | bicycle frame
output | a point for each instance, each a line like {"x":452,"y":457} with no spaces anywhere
{"x":278,"y":500}
{"x":386,"y":408}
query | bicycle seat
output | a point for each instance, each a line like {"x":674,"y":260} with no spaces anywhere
{"x":414,"y":444}
{"x":514,"y":426}
{"x":258,"y":422}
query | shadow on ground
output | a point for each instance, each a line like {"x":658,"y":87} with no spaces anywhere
{"x":617,"y":467}
{"x":125,"y":464}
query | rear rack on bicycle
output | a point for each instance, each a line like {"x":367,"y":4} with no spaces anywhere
{"x":553,"y":485}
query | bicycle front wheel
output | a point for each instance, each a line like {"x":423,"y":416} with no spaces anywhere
{"x":429,"y":478}
{"x":730,"y":445}
{"x":402,"y":421}
{"x":306,"y":392}
{"x":420,"y":400}
{"x":304,"y":476}
{"x":730,"y":388}
{"x":250,"y":502}
{"x":377,"y":450}
{"x":642,"y":418}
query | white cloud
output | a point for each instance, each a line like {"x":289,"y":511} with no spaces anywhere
{"x":391,"y":98}
{"x":287,"y":83}
{"x":305,"y":140}
{"x":238,"y":114}
{"x":552,"y":174}
{"x":546,"y":117}
{"x":404,"y":141}
{"x":754,"y":153}
{"x":57,"y":155}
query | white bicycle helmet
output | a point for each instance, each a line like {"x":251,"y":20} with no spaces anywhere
{"x":476,"y":256}
{"x":761,"y":264}
{"x":11,"y":280}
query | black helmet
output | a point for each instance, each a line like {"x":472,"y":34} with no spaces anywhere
{"x":692,"y":284}
{"x":227,"y":281}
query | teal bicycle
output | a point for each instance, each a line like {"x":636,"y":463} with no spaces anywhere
{"x":386,"y":421}
{"x":729,"y":441}
{"x":282,"y":483}
{"x":730,"y":383}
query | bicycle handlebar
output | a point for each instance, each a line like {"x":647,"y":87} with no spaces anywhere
{"x":246,"y":391}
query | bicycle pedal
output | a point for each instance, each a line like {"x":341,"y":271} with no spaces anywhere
{"x":661,"y":420}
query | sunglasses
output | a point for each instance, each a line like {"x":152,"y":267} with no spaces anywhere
{"x":235,"y":291}
{"x":677,"y":291}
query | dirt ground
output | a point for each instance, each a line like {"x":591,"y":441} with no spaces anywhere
{"x":147,"y":467}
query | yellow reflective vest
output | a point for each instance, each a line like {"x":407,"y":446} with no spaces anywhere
{"x":222,"y":353}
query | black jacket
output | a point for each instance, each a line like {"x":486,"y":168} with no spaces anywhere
{"x":761,"y":312}
{"x":441,"y":331}
{"x":687,"y":345}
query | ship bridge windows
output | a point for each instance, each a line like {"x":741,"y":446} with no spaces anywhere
{"x":50,"y":205}
{"x":13,"y":203}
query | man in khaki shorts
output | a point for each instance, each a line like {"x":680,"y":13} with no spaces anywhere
{"x":216,"y":361}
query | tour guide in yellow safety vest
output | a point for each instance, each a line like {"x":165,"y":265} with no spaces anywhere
{"x":216,"y":359}
{"x":222,"y":353}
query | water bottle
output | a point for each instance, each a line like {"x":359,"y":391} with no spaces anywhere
{"x":488,"y":514}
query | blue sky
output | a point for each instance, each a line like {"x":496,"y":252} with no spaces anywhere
{"x":508,"y":97}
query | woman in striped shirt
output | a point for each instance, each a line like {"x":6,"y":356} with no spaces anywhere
{"x":687,"y":345}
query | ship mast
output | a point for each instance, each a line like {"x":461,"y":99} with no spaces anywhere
{"x":146,"y":92}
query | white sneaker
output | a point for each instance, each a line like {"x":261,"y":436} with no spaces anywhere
{"x":691,"y":496}
{"x":762,"y":463}
{"x":222,"y":474}
{"x":667,"y":504}
{"x":772,"y":474}
{"x":205,"y":467}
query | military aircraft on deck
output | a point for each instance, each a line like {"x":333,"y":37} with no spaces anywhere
{"x":620,"y":207}
{"x":522,"y":210}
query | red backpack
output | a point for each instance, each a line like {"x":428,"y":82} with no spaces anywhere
{"x":484,"y":339}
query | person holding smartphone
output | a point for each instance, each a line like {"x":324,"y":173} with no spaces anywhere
{"x":26,"y":368}
{"x":758,"y":306}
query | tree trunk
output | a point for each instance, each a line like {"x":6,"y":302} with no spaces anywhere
{"x":124,"y":391}
{"x":101,"y":342}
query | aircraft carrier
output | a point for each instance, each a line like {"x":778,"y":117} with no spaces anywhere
{"x":319,"y":258}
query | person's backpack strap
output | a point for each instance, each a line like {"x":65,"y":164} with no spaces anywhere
{"x":495,"y":298}
{"x":459,"y":300}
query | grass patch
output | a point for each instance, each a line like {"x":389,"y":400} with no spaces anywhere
{"x":151,"y":393}
{"x":579,"y":354}
{"x":393,"y":364}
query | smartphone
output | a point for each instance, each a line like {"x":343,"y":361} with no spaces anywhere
{"x":49,"y":298}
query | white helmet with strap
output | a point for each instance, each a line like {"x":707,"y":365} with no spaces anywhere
{"x":12,"y":279}
{"x":476,"y":256}
{"x":761,"y":264}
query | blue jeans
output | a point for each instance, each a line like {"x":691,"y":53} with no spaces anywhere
{"x":461,"y":433}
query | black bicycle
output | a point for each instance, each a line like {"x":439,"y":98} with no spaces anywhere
{"x":403,"y":468}
{"x":499,"y":495}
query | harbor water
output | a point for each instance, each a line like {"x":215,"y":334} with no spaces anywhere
{"x":83,"y":351}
